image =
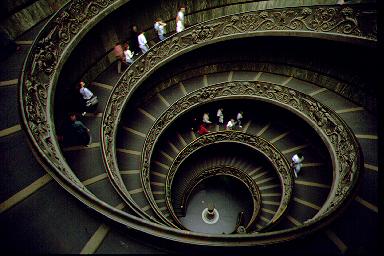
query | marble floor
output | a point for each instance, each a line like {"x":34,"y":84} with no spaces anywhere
{"x":229,"y":198}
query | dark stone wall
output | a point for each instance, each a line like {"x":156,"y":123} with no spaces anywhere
{"x":17,"y":17}
{"x":8,"y":7}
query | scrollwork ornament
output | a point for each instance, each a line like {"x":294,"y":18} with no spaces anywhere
{"x":202,"y":33}
{"x":277,"y":159}
{"x":324,"y":18}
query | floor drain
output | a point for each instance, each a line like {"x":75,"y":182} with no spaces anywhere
{"x":210,"y":217}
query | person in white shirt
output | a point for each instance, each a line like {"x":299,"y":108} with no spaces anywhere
{"x":220,"y":116}
{"x":231,"y":124}
{"x":143,"y":43}
{"x":85,"y":92}
{"x":160,"y":28}
{"x":239,"y":117}
{"x":86,"y":95}
{"x":128,"y":54}
{"x":206,"y":118}
{"x":296,"y":163}
{"x":180,"y":19}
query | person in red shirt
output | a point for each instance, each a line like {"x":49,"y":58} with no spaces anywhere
{"x":202,"y":129}
{"x":119,"y":54}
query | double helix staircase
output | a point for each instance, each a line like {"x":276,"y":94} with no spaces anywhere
{"x":284,"y":130}
{"x":311,"y":188}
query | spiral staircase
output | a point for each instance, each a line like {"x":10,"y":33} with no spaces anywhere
{"x":142,"y":184}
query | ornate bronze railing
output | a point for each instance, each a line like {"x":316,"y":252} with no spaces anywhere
{"x":325,"y":121}
{"x":38,"y":79}
{"x":274,"y":157}
{"x":335,"y":23}
{"x":58,"y":38}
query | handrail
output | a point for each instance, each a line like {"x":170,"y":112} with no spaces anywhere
{"x":269,"y":152}
{"x":302,"y":105}
{"x":334,"y":23}
{"x":287,"y":98}
{"x":53,"y":46}
{"x":38,"y":78}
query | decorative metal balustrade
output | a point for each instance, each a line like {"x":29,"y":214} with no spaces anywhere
{"x":58,"y":38}
{"x":336,"y":135}
{"x":332,"y":20}
{"x":275,"y":157}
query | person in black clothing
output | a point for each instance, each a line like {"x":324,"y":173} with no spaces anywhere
{"x":7,"y":45}
{"x":75,"y":132}
{"x":134,"y":43}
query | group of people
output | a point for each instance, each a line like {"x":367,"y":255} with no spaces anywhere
{"x":73,"y":132}
{"x":231,"y":123}
{"x":202,"y":126}
{"x":125,"y":53}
